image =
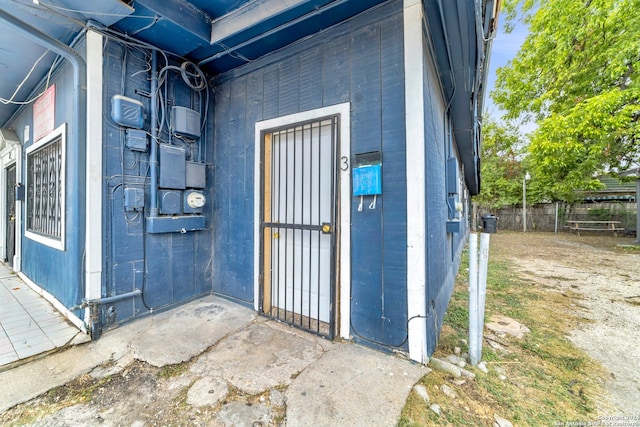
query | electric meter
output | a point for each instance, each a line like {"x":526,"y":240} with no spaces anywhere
{"x":196,"y":200}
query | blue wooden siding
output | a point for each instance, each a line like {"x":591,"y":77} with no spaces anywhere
{"x":443,"y":249}
{"x":58,"y":272}
{"x":359,"y":61}
{"x":169,"y":267}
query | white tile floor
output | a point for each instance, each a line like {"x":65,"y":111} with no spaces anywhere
{"x":29,"y":324}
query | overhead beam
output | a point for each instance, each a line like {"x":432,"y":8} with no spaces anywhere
{"x":254,"y":13}
{"x":182,"y":14}
{"x":106,"y":12}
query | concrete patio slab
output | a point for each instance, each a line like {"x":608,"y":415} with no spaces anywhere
{"x":294,"y":377}
{"x":258,"y":358}
{"x":351,"y":386}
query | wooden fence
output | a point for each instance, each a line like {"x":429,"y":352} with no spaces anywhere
{"x":542,"y":217}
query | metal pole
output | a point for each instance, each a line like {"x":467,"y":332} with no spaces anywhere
{"x":482,"y":286}
{"x":524,"y":204}
{"x":473,"y":299}
{"x":107,"y":300}
{"x":556,"y":227}
{"x":638,"y":209}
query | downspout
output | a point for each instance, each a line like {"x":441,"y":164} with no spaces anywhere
{"x":153,"y":167}
{"x":79,"y":88}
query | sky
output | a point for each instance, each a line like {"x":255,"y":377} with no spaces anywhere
{"x":505,"y":47}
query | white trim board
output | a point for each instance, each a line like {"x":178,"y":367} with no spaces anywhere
{"x":93,"y":219}
{"x":416,"y":181}
{"x":344,"y":261}
{"x":54,"y":301}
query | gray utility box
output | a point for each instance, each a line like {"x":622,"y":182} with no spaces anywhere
{"x":196,"y":175}
{"x":133,"y":199}
{"x":136,"y":140}
{"x":173,"y":167}
{"x":170,"y":202}
{"x":185,"y":121}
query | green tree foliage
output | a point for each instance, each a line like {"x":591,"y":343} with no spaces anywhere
{"x":501,"y":167}
{"x":577,"y":75}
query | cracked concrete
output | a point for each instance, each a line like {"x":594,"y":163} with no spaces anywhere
{"x":290,"y":376}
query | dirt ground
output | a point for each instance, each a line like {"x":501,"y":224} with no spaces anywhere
{"x":607,"y":277}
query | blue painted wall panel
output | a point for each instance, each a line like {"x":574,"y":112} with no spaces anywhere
{"x":230,"y":254}
{"x":271,"y":87}
{"x":159,"y":285}
{"x":253,"y":113}
{"x":360,"y":61}
{"x":58,"y":272}
{"x":365,"y":89}
{"x":169,"y":268}
{"x":394,"y":182}
{"x":441,"y":267}
{"x":289,"y":86}
{"x":335,"y":70}
{"x":128,"y":276}
{"x":311,"y":78}
{"x":183,"y":271}
{"x":367,"y":245}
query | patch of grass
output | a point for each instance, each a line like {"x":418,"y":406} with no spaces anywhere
{"x":635,"y":300}
{"x":544,"y":379}
{"x":170,"y":371}
{"x":631,"y":248}
{"x":560,"y":278}
{"x":458,"y":317}
{"x":78,"y":391}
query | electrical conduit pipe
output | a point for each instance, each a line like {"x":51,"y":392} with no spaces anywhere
{"x":153,"y":155}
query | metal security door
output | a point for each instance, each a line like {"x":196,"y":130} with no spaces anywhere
{"x":298,"y":225}
{"x":10,"y":220}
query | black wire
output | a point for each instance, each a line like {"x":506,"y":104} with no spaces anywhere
{"x":144,"y":267}
{"x":382,"y":344}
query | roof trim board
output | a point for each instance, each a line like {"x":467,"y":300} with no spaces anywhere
{"x":254,"y":13}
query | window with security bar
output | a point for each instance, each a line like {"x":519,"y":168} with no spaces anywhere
{"x":45,"y":167}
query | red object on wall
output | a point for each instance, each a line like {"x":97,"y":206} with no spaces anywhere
{"x":44,"y":114}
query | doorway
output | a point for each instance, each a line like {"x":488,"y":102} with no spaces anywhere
{"x":10,"y":210}
{"x":298,"y":226}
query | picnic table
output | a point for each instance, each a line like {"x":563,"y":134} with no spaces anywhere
{"x":578,"y":226}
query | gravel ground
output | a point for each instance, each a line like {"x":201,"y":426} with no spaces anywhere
{"x":608,"y":279}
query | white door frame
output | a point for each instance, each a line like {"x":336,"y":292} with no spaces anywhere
{"x":343,"y":263}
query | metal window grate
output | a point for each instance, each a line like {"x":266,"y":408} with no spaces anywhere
{"x":298,"y":225}
{"x":44,"y":190}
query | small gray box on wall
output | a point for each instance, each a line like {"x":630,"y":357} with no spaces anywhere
{"x":170,"y":202}
{"x":133,"y":199}
{"x":173,"y":167}
{"x":196,"y":175}
{"x":185,"y":121}
{"x":136,"y":140}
